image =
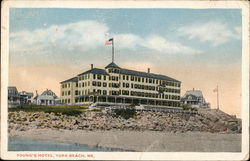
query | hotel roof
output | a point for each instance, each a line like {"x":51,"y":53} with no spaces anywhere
{"x":147,"y":75}
{"x":95,"y":71}
{"x":112,"y":65}
{"x":122,"y":71}
{"x":74,"y":79}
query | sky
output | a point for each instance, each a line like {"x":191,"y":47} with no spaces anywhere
{"x":199,"y":47}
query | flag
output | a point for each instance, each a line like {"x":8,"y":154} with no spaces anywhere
{"x":109,"y":42}
{"x":215,"y":90}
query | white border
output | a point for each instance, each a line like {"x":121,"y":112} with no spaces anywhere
{"x":131,"y":4}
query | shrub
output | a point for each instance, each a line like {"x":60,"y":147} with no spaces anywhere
{"x":187,"y":107}
{"x":72,"y":113}
{"x":125,"y":113}
{"x":66,"y":110}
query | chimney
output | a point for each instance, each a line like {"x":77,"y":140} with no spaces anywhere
{"x":148,"y":70}
{"x":91,"y":66}
{"x":36,"y":92}
{"x":193,"y":89}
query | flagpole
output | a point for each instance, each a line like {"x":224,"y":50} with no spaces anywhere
{"x":218,"y":106}
{"x":113,"y":50}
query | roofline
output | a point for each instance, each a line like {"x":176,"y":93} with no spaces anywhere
{"x":69,"y":80}
{"x":87,"y":72}
{"x":153,"y":73}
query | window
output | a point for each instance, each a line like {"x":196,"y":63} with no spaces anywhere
{"x":150,"y":81}
{"x":94,"y":83}
{"x":76,"y":84}
{"x":68,"y":92}
{"x":99,"y":84}
{"x":114,"y":78}
{"x":99,"y":77}
{"x":132,"y":78}
{"x":127,"y":85}
{"x":146,"y":80}
{"x":104,"y":77}
{"x":62,"y":93}
{"x":125,"y":92}
{"x":143,"y":80}
{"x":127,"y":77}
{"x":123,"y":84}
{"x":115,"y":85}
{"x":83,"y":84}
{"x":123,"y":77}
{"x":136,"y":79}
{"x":115,"y":92}
{"x":110,"y":70}
{"x":76,"y":92}
{"x":104,"y":92}
{"x":104,"y":84}
{"x":94,"y":76}
{"x":139,"y":79}
{"x":88,"y":83}
{"x":132,"y":85}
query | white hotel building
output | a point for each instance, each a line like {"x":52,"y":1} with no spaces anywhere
{"x":121,"y":86}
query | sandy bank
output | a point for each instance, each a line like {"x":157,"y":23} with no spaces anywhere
{"x":149,"y":141}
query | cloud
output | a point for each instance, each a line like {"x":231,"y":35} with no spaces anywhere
{"x":85,"y":36}
{"x":161,"y":44}
{"x":154,"y":43}
{"x":215,"y":33}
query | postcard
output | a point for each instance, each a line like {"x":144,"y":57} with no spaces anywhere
{"x":125,"y":80}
